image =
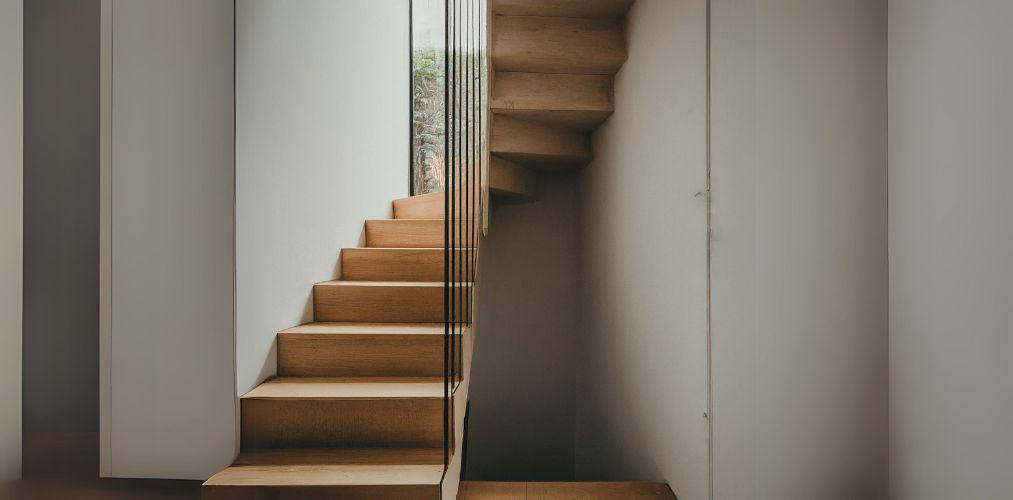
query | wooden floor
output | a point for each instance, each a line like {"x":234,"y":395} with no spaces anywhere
{"x":472,"y":490}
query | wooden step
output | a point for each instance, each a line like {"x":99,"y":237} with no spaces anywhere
{"x":306,"y":474}
{"x":344,"y":413}
{"x":405,"y":233}
{"x":510,"y":182}
{"x":562,"y":8}
{"x":581,"y":101}
{"x":472,"y":490}
{"x":362,"y":349}
{"x":539,"y":145}
{"x":558,"y":45}
{"x":426,"y":206}
{"x":392,"y":264}
{"x":378,"y":302}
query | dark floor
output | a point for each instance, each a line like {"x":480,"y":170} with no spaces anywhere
{"x":65,"y":467}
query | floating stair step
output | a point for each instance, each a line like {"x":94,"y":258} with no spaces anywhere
{"x":405,"y":233}
{"x":358,"y":474}
{"x":341,"y":456}
{"x":392,"y":264}
{"x":539,"y":145}
{"x":426,"y":206}
{"x":581,"y":101}
{"x":378,"y":302}
{"x":362,"y":349}
{"x":474,"y":490}
{"x":510,"y":182}
{"x":558,"y":45}
{"x":343,"y":413}
{"x":562,"y":8}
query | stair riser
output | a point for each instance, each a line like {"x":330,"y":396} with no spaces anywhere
{"x":362,"y":264}
{"x":342,"y":423}
{"x":378,"y":304}
{"x":426,"y":206}
{"x":432,"y":206}
{"x":381,"y":304}
{"x":377,"y":492}
{"x":301,"y":355}
{"x":405,"y":233}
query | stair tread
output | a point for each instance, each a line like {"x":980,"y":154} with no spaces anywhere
{"x":415,"y":284}
{"x":328,"y":475}
{"x":342,"y":456}
{"x":348,"y":388}
{"x":332,"y":328}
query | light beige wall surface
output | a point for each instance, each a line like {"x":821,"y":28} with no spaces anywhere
{"x":523,"y":385}
{"x":642,"y":335}
{"x":800,"y":273}
{"x":322,"y":145}
{"x":951,"y":241}
{"x":168,"y":384}
{"x":11,"y":196}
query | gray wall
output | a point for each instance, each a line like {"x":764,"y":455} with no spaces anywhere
{"x":523,"y":373}
{"x":167,"y":328}
{"x":61,"y":216}
{"x":11,"y":196}
{"x":642,"y":341}
{"x":799,"y":269}
{"x":951,"y":240}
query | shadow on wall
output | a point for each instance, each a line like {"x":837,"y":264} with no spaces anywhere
{"x":522,"y":418}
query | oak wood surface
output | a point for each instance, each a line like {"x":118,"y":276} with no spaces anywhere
{"x":580,"y":101}
{"x":562,"y":8}
{"x":392,"y":264}
{"x":510,"y":180}
{"x":363,"y":301}
{"x":558,"y":45}
{"x":539,"y":145}
{"x":400,"y":351}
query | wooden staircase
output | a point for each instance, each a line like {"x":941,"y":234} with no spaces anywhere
{"x":357,"y":409}
{"x":553,"y":67}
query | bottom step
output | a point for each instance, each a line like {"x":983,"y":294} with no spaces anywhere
{"x":379,"y":474}
{"x":471,"y":490}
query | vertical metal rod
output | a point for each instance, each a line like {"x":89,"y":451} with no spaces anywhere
{"x":446,"y":236}
{"x":411,"y":98}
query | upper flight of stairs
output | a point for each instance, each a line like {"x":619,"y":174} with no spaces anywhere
{"x":553,"y":68}
{"x":357,"y":409}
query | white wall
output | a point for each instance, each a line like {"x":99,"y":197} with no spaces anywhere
{"x":11,"y":190}
{"x":523,"y":388}
{"x":951,"y":239}
{"x":799,"y":270}
{"x":642,"y":342}
{"x":322,"y":144}
{"x":168,"y":390}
